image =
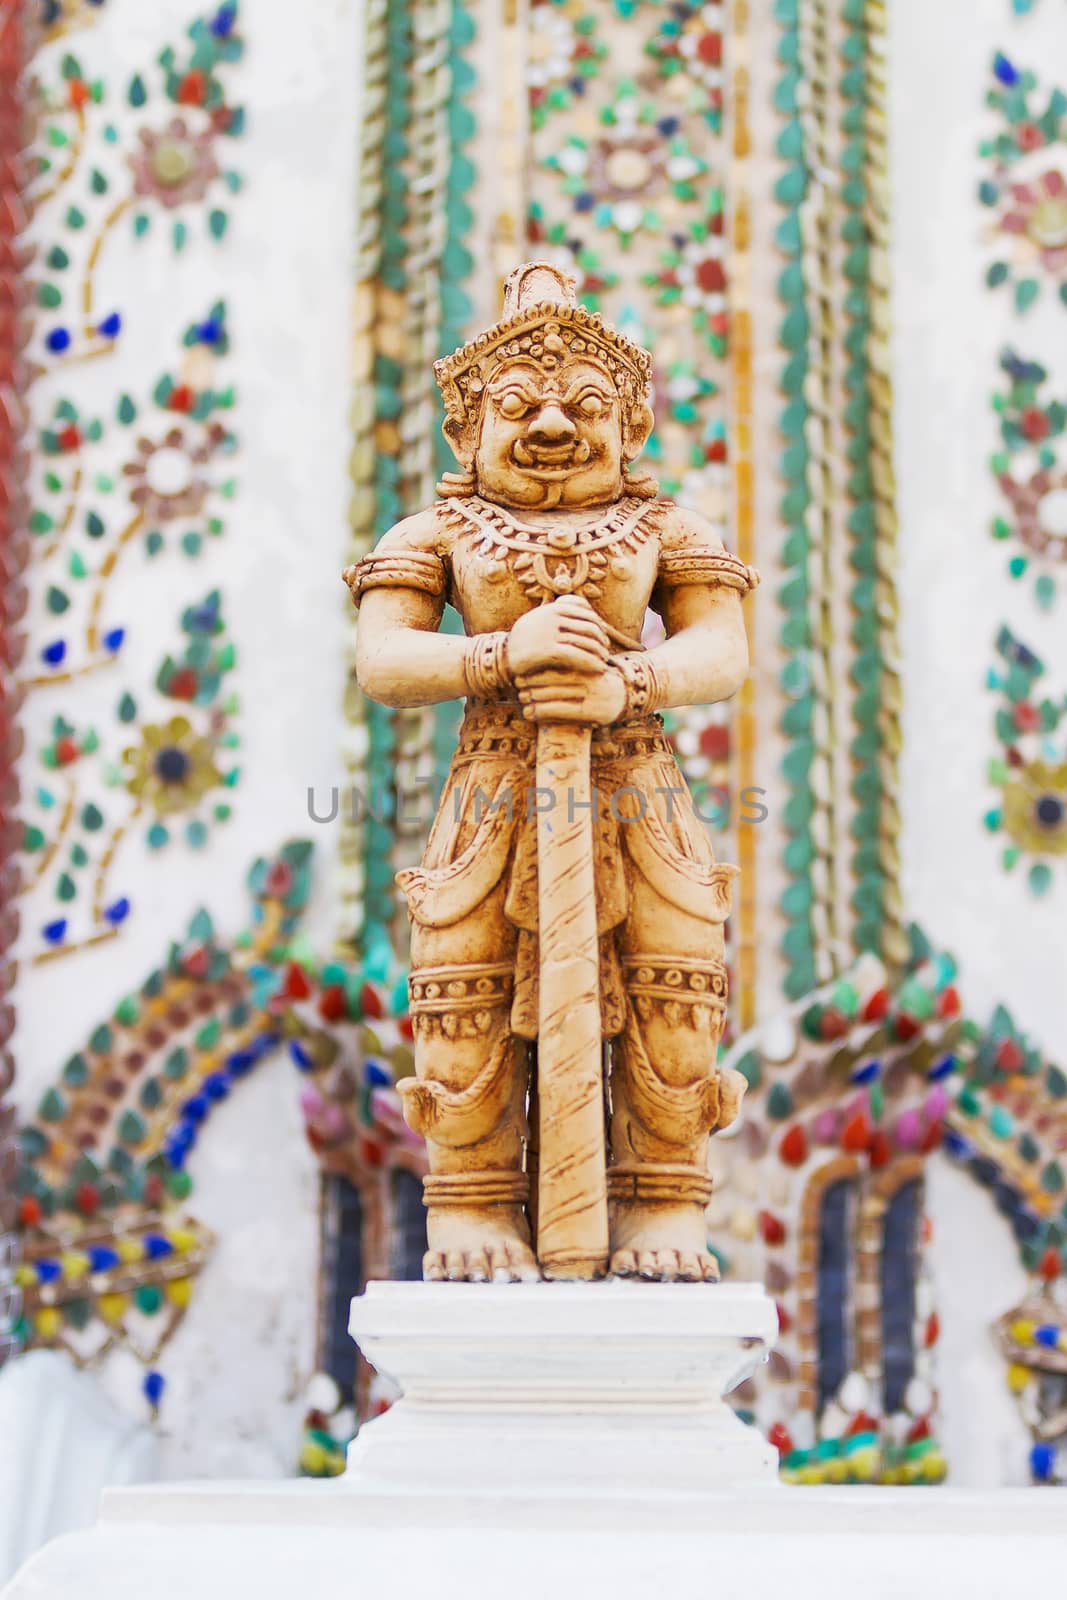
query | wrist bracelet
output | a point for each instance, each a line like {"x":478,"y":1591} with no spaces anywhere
{"x":644,"y":691}
{"x":486,"y":666}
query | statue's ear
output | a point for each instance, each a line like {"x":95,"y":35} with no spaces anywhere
{"x":460,"y":435}
{"x":637,"y":425}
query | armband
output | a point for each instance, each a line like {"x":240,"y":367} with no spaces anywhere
{"x":396,"y":569}
{"x":486,"y":668}
{"x":644,"y":691}
{"x":709,"y":567}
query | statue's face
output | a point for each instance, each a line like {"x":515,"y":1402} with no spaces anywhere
{"x":550,"y":438}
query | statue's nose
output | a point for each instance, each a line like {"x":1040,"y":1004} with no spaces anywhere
{"x":551,"y":425}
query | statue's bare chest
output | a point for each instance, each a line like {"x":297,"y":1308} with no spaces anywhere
{"x":502,"y":567}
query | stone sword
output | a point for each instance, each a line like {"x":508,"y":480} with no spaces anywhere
{"x":572,"y":1199}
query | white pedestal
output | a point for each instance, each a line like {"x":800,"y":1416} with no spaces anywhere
{"x":558,"y":1441}
{"x":562,"y":1390}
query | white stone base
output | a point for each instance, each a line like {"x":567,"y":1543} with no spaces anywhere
{"x":559,"y":1442}
{"x":562,"y":1390}
{"x":277,"y":1542}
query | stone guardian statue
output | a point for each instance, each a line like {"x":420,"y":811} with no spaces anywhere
{"x":567,"y":984}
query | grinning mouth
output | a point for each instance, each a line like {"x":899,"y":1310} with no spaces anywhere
{"x":550,"y":460}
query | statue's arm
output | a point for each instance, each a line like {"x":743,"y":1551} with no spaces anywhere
{"x":705,"y":654}
{"x":401,"y":659}
{"x":400,"y":589}
{"x":698,"y":594}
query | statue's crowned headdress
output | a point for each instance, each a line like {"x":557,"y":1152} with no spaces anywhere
{"x":543,"y":321}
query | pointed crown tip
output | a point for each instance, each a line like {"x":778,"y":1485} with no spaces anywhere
{"x":538,"y":283}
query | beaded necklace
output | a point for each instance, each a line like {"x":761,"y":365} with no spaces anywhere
{"x":553,"y":560}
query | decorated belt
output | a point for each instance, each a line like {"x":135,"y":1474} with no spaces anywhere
{"x":498,"y":728}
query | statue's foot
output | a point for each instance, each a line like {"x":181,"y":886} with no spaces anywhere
{"x":665,"y":1266}
{"x":472,"y":1246}
{"x":661,"y":1242}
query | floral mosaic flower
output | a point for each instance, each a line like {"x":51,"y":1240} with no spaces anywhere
{"x":560,"y":48}
{"x":1025,"y":184}
{"x":1035,"y":808}
{"x":551,"y":46}
{"x":66,"y":745}
{"x":1040,"y":507}
{"x":614,"y":177}
{"x":1030,"y":472}
{"x":692,"y":273}
{"x":563,"y":53}
{"x":1037,"y":215}
{"x":700,"y":45}
{"x":165,"y":481}
{"x":172,"y":768}
{"x":637,"y":174}
{"x":175,"y":166}
{"x":702,"y":278}
{"x":1030,"y":772}
{"x":689,"y":43}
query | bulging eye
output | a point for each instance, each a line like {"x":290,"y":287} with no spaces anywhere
{"x":512,"y":405}
{"x":591,"y":405}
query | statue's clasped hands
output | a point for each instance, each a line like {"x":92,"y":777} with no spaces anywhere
{"x":558,"y":656}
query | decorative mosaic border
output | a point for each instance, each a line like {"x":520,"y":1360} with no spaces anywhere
{"x":414,"y":170}
{"x":836,"y":427}
{"x":853,"y":1084}
{"x":808,"y":904}
{"x":872,"y":521}
{"x":16,"y":47}
{"x":110,"y":1254}
{"x":111,"y":1251}
{"x":862,"y":1081}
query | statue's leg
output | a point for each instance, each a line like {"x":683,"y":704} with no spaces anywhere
{"x":667,"y":1095}
{"x":468,"y":1098}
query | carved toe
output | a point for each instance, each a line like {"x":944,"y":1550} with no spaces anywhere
{"x":478,"y":1267}
{"x":524,"y":1268}
{"x":624,"y":1264}
{"x":433,"y":1266}
{"x":669,"y":1264}
{"x":499,"y":1266}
